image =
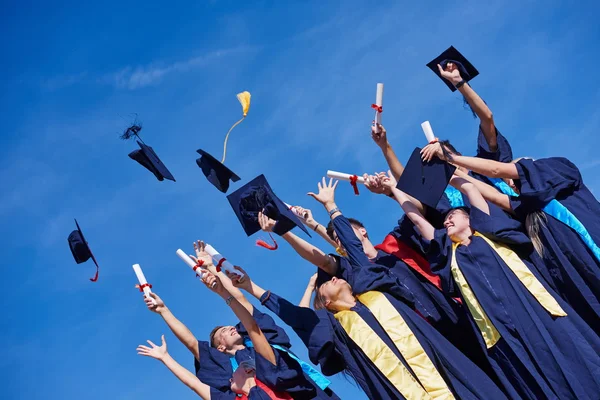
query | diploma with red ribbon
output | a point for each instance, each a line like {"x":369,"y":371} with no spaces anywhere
{"x":426,"y":126}
{"x":196,"y":267}
{"x":144,"y":286}
{"x":221,"y":263}
{"x":378,"y":106}
{"x":353,"y":179}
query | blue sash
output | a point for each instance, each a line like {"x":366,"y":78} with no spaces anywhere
{"x":308,"y":369}
{"x":555,"y":209}
{"x":454,"y":197}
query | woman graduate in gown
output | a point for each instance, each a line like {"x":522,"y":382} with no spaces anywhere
{"x":244,"y":382}
{"x":389,"y":350}
{"x":562,"y":218}
{"x":538,"y":345}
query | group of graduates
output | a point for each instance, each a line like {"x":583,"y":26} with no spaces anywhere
{"x":489,"y":289}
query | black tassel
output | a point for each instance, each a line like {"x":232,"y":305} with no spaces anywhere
{"x":131,"y":131}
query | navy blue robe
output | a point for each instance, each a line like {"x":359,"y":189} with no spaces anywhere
{"x":215,"y":369}
{"x":573,"y":270}
{"x":387,"y":273}
{"x":330,"y":347}
{"x":539,"y":356}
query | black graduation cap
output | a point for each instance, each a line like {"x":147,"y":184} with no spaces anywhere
{"x":215,"y":171}
{"x":425,"y":181}
{"x":81,"y":250}
{"x":467,"y":70}
{"x":146,"y":155}
{"x":257,"y":196}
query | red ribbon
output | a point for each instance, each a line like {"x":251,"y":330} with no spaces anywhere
{"x":199,"y":264}
{"x":353,"y":180}
{"x":376,"y":107}
{"x":141,"y":287}
{"x":218,"y":266}
{"x":95,"y":278}
{"x":262,"y":243}
{"x":434,"y":141}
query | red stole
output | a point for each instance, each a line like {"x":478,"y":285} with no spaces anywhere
{"x":412,"y":258}
{"x":273,"y":395}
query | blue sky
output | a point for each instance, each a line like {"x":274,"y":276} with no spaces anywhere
{"x":74,"y":74}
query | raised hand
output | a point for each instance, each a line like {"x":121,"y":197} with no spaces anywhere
{"x":432,"y":150}
{"x":201,"y":254}
{"x":389,"y":181}
{"x":312,"y":283}
{"x":246,"y":284}
{"x":157,"y":352}
{"x":379,"y":135}
{"x":266,"y":224}
{"x":308,"y":216}
{"x":158,"y":307}
{"x":213,"y":283}
{"x":451,"y":73}
{"x":374,"y":183}
{"x":326,"y":192}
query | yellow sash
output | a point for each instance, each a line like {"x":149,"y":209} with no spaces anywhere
{"x":519,"y":268}
{"x":429,"y":383}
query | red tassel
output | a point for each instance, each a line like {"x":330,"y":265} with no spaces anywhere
{"x":353,"y":180}
{"x":266,"y":245}
{"x":376,"y":107}
{"x":95,"y":278}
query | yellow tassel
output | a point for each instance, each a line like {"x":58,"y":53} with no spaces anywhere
{"x":244,"y":99}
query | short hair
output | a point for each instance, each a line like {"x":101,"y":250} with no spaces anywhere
{"x":354,"y":222}
{"x":318,"y":302}
{"x":212,"y":336}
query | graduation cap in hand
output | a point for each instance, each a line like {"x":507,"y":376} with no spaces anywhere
{"x":257,"y":196}
{"x":146,"y":155}
{"x":81,"y":250}
{"x":214,"y":170}
{"x":425,"y":181}
{"x":451,"y":55}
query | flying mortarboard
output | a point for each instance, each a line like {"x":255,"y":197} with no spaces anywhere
{"x":467,"y":70}
{"x":425,"y":181}
{"x":215,"y":171}
{"x":81,"y":250}
{"x":257,"y":196}
{"x":146,"y":155}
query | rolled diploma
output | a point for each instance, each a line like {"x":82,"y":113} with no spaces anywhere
{"x":343,"y":177}
{"x":142,"y":279}
{"x":186,"y":259}
{"x":226,"y":265}
{"x":294,"y":209}
{"x":379,"y":102}
{"x":426,"y":126}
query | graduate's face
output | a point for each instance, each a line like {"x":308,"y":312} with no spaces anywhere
{"x":456,"y":222}
{"x":227,"y":337}
{"x":333,"y":289}
{"x":241,"y":378}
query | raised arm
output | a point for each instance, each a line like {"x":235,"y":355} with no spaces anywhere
{"x":313,"y":224}
{"x":379,"y":135}
{"x":410,"y":209}
{"x":186,"y":377}
{"x":308,"y":292}
{"x":259,"y":341}
{"x":304,"y":249}
{"x":201,"y":254}
{"x":488,"y":192}
{"x":185,"y":336}
{"x":483,"y":112}
{"x":474,"y":196}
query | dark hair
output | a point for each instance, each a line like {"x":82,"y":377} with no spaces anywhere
{"x":354,"y":222}
{"x":448,"y":149}
{"x":211,"y":339}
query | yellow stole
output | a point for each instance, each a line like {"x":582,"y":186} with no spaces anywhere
{"x":488,"y":331}
{"x":428,"y":384}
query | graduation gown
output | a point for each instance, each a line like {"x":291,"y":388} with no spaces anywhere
{"x":215,"y":368}
{"x":387,"y":273}
{"x":331,"y":347}
{"x":572,"y":268}
{"x":537,"y":355}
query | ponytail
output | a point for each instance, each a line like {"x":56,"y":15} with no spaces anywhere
{"x":534,"y":222}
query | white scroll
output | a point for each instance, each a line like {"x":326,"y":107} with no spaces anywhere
{"x":296,"y":212}
{"x":426,"y":126}
{"x":379,"y":102}
{"x":222,"y":261}
{"x":344,"y":177}
{"x":143,"y":283}
{"x":190,"y":263}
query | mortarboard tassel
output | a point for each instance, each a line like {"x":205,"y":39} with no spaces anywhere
{"x":95,"y":278}
{"x":262,"y":243}
{"x":244,"y":99}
